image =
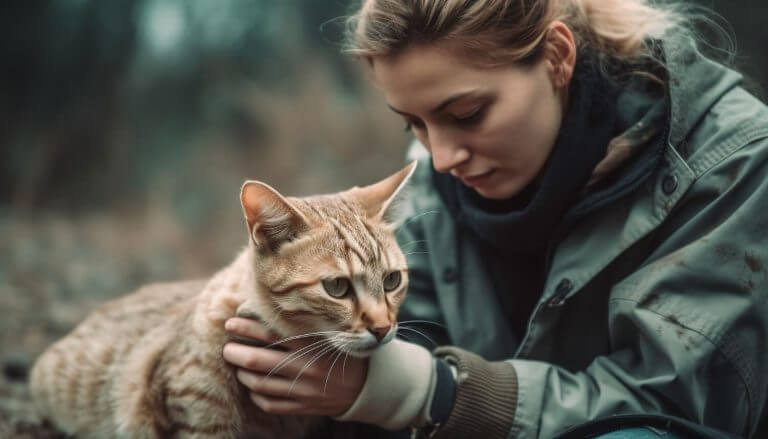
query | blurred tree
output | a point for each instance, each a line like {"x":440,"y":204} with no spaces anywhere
{"x":63,"y":63}
{"x":80,"y":75}
{"x":100,"y":96}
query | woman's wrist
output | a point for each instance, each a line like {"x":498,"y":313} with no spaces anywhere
{"x":397,"y":387}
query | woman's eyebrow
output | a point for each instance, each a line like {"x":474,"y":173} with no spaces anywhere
{"x":452,"y":99}
{"x":446,"y":102}
{"x":398,"y":111}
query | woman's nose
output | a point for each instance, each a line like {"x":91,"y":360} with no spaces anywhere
{"x":447,"y":152}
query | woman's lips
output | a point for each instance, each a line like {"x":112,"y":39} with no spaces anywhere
{"x":477,"y":179}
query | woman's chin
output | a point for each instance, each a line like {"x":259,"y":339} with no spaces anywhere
{"x":499,"y":191}
{"x":494,"y":193}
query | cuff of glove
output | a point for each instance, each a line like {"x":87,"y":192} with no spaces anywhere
{"x":486,"y":396}
{"x":396,"y":388}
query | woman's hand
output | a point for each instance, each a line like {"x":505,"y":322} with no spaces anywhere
{"x":302,"y":380}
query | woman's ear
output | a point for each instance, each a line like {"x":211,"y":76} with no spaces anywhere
{"x":561,"y":53}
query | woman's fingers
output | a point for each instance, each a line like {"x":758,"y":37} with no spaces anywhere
{"x":286,"y":396}
{"x":284,"y":406}
{"x":275,"y":386}
{"x":270,"y":361}
{"x":316,"y":379}
{"x":250,"y":329}
{"x":261,"y":360}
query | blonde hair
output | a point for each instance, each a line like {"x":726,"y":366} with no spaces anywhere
{"x":498,"y":32}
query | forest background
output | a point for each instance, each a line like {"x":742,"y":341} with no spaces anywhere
{"x":127,"y":128}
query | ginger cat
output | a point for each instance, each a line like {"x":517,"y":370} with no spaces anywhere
{"x":149,"y":365}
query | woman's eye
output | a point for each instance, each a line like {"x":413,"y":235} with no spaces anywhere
{"x":411,"y":124}
{"x":392,"y":281}
{"x":336,"y":287}
{"x":471,"y":117}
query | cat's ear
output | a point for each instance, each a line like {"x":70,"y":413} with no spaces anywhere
{"x":272,"y":220}
{"x":382,"y":200}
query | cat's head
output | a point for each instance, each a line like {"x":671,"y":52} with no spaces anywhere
{"x":330,"y":262}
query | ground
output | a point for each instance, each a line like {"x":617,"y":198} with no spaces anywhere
{"x":54,"y":270}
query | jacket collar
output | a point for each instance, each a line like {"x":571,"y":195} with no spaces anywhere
{"x":695,"y":84}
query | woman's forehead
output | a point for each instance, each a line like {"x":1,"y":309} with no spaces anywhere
{"x":424,"y":76}
{"x":421,"y":78}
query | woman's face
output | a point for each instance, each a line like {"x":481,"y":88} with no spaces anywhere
{"x":491,"y":128}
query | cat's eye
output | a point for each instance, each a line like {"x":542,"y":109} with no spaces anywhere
{"x":392,"y":281}
{"x":336,"y":287}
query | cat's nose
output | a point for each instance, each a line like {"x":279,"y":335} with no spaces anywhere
{"x":379,"y":331}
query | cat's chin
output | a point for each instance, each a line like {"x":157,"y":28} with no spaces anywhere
{"x":363,"y":349}
{"x":366,"y":352}
{"x":362,"y":353}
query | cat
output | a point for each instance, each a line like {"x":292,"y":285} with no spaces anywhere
{"x":149,"y":364}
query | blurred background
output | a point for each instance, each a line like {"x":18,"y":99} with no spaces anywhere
{"x":127,"y":128}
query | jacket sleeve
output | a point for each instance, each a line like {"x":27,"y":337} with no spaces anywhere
{"x":688,"y":329}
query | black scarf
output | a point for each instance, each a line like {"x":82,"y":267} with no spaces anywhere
{"x":526,"y":222}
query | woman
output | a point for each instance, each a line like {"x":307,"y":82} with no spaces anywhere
{"x":591,"y":235}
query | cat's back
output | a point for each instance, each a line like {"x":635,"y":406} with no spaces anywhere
{"x":73,"y":381}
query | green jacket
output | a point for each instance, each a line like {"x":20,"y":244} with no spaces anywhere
{"x":656,"y":303}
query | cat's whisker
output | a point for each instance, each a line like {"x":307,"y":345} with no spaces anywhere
{"x":413,"y":242}
{"x":318,"y":345}
{"x":344,"y":363}
{"x":420,"y":333}
{"x":421,"y":321}
{"x":344,"y":366}
{"x":415,"y":253}
{"x":306,"y":335}
{"x":330,"y":370}
{"x":415,"y":217}
{"x":295,"y":356}
{"x":309,"y":364}
{"x":408,"y":339}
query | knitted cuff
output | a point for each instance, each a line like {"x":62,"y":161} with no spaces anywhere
{"x":486,"y":396}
